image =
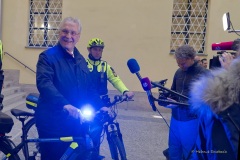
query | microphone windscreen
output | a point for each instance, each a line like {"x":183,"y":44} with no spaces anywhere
{"x":133,"y":65}
{"x":146,"y":84}
{"x":222,"y":46}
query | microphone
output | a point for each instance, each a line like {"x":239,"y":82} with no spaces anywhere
{"x":222,"y":46}
{"x":229,"y":45}
{"x":146,"y":85}
{"x":134,"y":67}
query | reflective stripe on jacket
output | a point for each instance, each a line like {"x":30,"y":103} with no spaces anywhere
{"x":102,"y":72}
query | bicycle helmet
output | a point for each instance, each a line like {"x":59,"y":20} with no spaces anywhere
{"x":95,"y":42}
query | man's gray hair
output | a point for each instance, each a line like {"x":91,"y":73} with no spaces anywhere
{"x":185,"y":52}
{"x":71,"y":19}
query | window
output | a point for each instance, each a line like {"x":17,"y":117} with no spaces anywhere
{"x":189,"y":22}
{"x":44,"y":19}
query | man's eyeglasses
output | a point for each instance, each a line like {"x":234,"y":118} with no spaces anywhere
{"x":66,"y":32}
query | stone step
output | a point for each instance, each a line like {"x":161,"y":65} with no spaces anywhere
{"x":7,"y":84}
{"x":14,"y":98}
{"x":16,"y":104}
{"x":11,"y":90}
{"x":11,"y":75}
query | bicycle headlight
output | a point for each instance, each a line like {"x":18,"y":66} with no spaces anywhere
{"x":88,"y":112}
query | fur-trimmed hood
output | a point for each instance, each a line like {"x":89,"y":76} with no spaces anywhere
{"x":215,"y":92}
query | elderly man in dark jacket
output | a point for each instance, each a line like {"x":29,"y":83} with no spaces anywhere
{"x":65,"y":86}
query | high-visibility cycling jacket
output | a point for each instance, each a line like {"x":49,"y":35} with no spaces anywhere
{"x":101,"y":72}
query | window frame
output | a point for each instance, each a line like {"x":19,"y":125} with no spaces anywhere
{"x":46,"y":34}
{"x":183,"y":32}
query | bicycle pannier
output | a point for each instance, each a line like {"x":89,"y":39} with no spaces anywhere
{"x":6,"y":123}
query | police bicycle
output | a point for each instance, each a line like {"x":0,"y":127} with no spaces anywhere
{"x":80,"y":147}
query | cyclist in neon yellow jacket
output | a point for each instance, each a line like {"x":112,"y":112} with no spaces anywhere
{"x":101,"y":72}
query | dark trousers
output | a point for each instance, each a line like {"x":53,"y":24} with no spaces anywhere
{"x":64,"y":128}
{"x":52,"y":151}
{"x":95,"y":132}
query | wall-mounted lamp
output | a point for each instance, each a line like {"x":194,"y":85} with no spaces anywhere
{"x":227,"y":24}
{"x":226,"y":21}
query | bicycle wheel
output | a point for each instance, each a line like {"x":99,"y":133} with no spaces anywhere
{"x":112,"y":148}
{"x":120,"y":146}
{"x":6,"y":146}
{"x":32,"y":149}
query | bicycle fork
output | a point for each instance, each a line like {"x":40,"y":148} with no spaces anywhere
{"x":113,"y":134}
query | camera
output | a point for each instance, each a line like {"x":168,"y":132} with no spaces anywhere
{"x":223,"y":46}
{"x":229,"y":47}
{"x":215,"y":63}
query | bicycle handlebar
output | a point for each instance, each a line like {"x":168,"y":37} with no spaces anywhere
{"x":104,"y":116}
{"x":117,"y":99}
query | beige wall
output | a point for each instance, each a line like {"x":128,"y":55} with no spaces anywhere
{"x":137,"y":29}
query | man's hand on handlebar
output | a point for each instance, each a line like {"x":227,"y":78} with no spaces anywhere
{"x":107,"y":110}
{"x":129,"y":94}
{"x":74,"y":112}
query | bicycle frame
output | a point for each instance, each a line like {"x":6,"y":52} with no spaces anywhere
{"x":13,"y":149}
{"x":69,"y":154}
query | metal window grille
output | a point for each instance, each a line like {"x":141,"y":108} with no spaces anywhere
{"x":189,"y":22}
{"x":44,"y":19}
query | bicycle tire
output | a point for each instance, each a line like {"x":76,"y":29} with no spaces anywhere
{"x":112,"y":148}
{"x":30,"y":130}
{"x":120,"y":146}
{"x":6,"y":147}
